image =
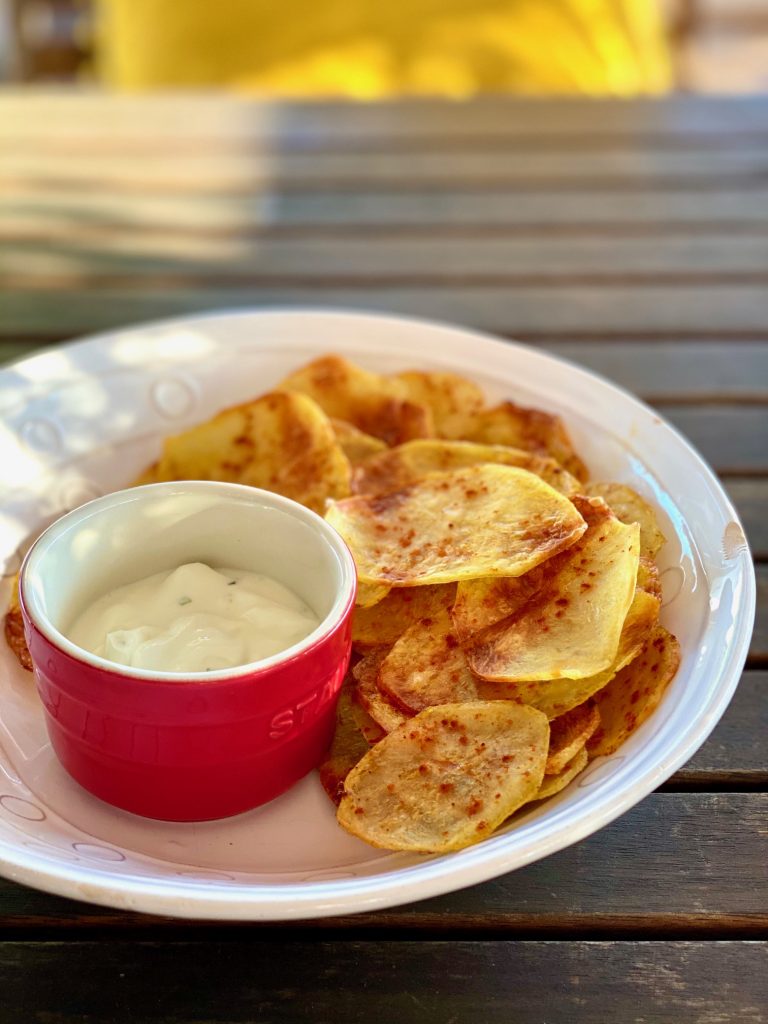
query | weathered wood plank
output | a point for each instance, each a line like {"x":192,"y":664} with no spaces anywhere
{"x":685,"y":860}
{"x":55,"y":211}
{"x":506,"y":310}
{"x":46,"y":113}
{"x":180,"y":261}
{"x":690,"y":370}
{"x":237,"y":170}
{"x":731,"y":437}
{"x":750,"y":496}
{"x":736,"y":752}
{"x":336,"y":982}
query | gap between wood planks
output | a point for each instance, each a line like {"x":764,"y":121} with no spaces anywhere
{"x":484,"y":928}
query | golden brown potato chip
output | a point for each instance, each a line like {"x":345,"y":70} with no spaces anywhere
{"x":426,"y":666}
{"x":481,"y":603}
{"x":349,"y":744}
{"x":531,"y":429}
{"x":369,"y":594}
{"x":389,"y":619}
{"x":399,"y":467}
{"x":370,"y":729}
{"x":557,"y":696}
{"x":481,"y":521}
{"x":14,"y":629}
{"x":356,"y":444}
{"x":373,"y":403}
{"x":447,"y":778}
{"x":568,"y":735}
{"x":381,"y":710}
{"x":648,"y":578}
{"x":635,"y":692}
{"x":572,"y":627}
{"x":629,"y":507}
{"x":451,"y":398}
{"x":554,"y":783}
{"x":281,"y":442}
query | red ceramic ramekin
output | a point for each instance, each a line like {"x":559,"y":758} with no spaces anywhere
{"x":187,"y":747}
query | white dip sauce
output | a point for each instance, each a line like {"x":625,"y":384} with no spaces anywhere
{"x":194,"y":619}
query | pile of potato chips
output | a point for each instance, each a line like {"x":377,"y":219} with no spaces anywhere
{"x":506,"y":629}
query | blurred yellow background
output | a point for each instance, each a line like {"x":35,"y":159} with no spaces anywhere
{"x":366,"y":49}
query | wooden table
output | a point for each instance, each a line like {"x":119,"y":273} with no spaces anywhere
{"x":629,"y":237}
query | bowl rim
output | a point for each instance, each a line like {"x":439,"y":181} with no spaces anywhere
{"x":256,"y":497}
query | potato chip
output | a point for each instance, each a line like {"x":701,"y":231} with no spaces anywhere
{"x":552,"y":784}
{"x":481,"y":603}
{"x":356,"y":444}
{"x":370,"y":729}
{"x":369,"y":594}
{"x":389,"y":619}
{"x":280,"y":442}
{"x":381,"y":710}
{"x":447,"y":778}
{"x":451,"y":398}
{"x":426,"y":667}
{"x":530,"y":429}
{"x":568,"y":735}
{"x":557,"y":696}
{"x":629,"y":507}
{"x":14,"y":629}
{"x":399,"y":467}
{"x":635,"y":692}
{"x":373,"y":403}
{"x":348,"y":747}
{"x":481,"y":521}
{"x":572,"y":627}
{"x":648,"y":578}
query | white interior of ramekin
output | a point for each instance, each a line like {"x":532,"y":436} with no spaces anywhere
{"x":132,"y":534}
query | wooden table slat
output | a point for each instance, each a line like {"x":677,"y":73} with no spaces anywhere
{"x":339,"y":983}
{"x":750,"y":496}
{"x":56,"y":210}
{"x":236,"y":169}
{"x":692,"y":370}
{"x":567,"y":311}
{"x":31,"y":113}
{"x":730,"y":436}
{"x":165,"y":261}
{"x":734,"y":754}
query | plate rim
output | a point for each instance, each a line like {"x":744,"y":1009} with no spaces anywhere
{"x":436,"y":875}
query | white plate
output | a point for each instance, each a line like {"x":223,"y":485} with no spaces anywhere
{"x":85,"y":418}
